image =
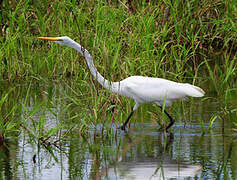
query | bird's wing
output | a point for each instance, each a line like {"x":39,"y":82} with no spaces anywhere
{"x":146,"y":89}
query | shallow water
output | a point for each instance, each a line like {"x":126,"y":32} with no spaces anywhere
{"x":143,"y":152}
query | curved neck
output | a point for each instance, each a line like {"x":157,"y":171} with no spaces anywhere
{"x":112,"y":86}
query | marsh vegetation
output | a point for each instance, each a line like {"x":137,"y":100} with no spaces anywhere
{"x":55,"y":116}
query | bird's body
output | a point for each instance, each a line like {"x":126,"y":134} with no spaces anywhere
{"x":143,"y":90}
{"x":156,"y":90}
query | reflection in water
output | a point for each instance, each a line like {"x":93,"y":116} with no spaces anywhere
{"x":154,"y":169}
{"x":111,"y":154}
{"x":5,"y":159}
{"x":160,"y":167}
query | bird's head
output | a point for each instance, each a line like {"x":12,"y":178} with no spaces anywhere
{"x":64,"y":40}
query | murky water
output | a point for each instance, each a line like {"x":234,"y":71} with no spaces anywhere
{"x":143,"y":152}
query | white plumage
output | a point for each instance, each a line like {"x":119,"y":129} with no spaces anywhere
{"x":141,"y":89}
{"x":148,"y":90}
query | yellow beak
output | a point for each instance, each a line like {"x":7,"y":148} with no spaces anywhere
{"x":49,"y":38}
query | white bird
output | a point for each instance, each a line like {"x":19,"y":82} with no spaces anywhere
{"x":143,"y":90}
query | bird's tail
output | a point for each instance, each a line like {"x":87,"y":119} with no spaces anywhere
{"x":194,"y":91}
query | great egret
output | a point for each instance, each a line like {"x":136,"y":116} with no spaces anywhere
{"x":143,"y":90}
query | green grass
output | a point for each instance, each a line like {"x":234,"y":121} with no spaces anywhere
{"x":122,"y":41}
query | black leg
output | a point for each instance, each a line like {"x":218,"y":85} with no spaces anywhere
{"x":126,"y":122}
{"x":171,"y":119}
